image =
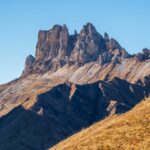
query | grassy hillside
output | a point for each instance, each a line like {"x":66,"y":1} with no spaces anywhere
{"x":130,"y":131}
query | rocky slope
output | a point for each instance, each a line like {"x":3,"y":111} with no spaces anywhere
{"x":72,"y":82}
{"x":64,"y":110}
{"x":127,"y":131}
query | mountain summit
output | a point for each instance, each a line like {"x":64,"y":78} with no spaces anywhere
{"x":72,"y":82}
{"x":56,"y":47}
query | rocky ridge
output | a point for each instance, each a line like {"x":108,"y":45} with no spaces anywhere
{"x":56,"y":47}
{"x":72,"y":82}
{"x":42,"y":121}
{"x":126,"y":129}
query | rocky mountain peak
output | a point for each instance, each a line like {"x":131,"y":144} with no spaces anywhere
{"x":56,"y":48}
{"x":144,"y":55}
{"x":53,"y":47}
{"x":114,"y":44}
{"x":88,"y":46}
{"x":88,"y":29}
{"x":73,"y":81}
{"x":106,"y":36}
{"x":29,"y":63}
{"x":52,"y":43}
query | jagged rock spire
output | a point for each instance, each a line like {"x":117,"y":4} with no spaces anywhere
{"x":56,"y":47}
{"x":106,"y":36}
{"x":29,"y":64}
{"x":88,"y":46}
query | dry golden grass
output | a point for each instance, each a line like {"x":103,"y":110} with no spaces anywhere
{"x":129,"y":131}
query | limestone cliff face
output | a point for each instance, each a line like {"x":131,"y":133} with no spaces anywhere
{"x":53,"y":44}
{"x":56,"y":48}
{"x":90,"y":44}
{"x":53,"y":48}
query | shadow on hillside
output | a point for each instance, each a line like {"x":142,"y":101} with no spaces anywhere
{"x":26,"y":130}
{"x":55,"y":115}
{"x":53,"y":118}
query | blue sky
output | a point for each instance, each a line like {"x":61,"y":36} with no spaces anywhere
{"x":20,"y":20}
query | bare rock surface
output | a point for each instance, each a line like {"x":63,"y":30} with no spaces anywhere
{"x":72,"y":82}
{"x":56,"y":48}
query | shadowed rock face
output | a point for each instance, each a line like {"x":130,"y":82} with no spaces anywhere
{"x":64,"y":110}
{"x":144,"y":55}
{"x":117,"y":133}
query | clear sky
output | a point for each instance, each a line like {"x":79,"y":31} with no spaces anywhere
{"x":20,"y":20}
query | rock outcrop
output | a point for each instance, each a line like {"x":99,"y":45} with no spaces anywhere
{"x":29,"y":65}
{"x":56,"y":48}
{"x":53,"y":43}
{"x":72,"y":82}
{"x":144,"y":55}
{"x":90,"y":44}
{"x":53,"y":48}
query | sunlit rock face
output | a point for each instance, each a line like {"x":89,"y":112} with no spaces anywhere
{"x":53,"y":43}
{"x":53,"y":48}
{"x":56,"y":48}
{"x":90,"y":44}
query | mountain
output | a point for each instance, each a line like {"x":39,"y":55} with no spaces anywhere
{"x":72,"y":82}
{"x":126,"y":131}
{"x":56,"y":49}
